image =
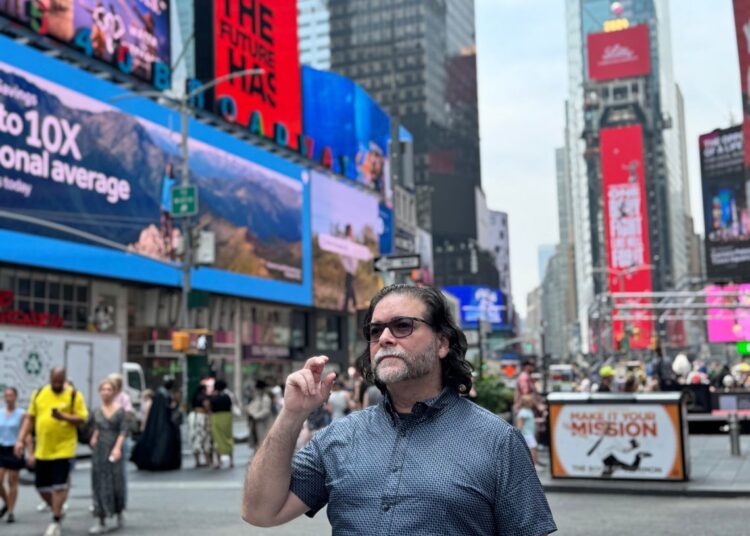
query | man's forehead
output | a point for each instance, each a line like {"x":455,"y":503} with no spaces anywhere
{"x":397,"y":305}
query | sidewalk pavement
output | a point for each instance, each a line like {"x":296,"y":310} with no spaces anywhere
{"x":714,"y":472}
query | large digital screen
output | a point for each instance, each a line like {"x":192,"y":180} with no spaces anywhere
{"x":235,"y":35}
{"x":110,"y":30}
{"x":626,"y":229}
{"x":727,"y":323}
{"x":342,"y":118}
{"x":620,"y":54}
{"x":742,"y":23}
{"x":725,"y":205}
{"x":346,"y":229}
{"x":480,"y":304}
{"x":69,"y":157}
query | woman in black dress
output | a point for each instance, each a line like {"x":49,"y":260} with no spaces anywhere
{"x":107,"y":482}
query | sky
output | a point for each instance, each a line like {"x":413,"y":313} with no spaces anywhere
{"x":522,"y":70}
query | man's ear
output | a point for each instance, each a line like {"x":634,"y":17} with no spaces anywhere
{"x":443,"y":346}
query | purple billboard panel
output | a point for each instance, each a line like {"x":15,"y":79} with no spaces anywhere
{"x":728,"y":324}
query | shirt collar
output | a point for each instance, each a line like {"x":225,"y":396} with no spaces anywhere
{"x":425,"y":409}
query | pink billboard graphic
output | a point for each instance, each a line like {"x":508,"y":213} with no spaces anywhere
{"x":728,"y":324}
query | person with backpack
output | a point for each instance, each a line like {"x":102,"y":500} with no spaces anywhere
{"x":55,"y":413}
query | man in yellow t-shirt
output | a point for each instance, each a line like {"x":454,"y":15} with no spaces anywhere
{"x":55,"y":412}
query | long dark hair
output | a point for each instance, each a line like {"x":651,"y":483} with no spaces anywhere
{"x":456,"y":371}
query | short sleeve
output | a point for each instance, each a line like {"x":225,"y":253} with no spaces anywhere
{"x":521,"y":508}
{"x":308,"y":480}
{"x":79,"y":406}
{"x":32,"y":404}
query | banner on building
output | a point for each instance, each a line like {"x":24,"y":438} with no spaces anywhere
{"x":727,"y":323}
{"x":616,"y":441}
{"x":69,"y":158}
{"x":742,"y":27}
{"x":726,"y":215}
{"x":346,"y":233}
{"x":349,"y":129}
{"x":621,"y":54}
{"x":626,"y":231}
{"x":232,"y":36}
{"x":132,"y":36}
{"x":480,"y":304}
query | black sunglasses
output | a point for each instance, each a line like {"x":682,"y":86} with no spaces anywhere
{"x":400,"y":327}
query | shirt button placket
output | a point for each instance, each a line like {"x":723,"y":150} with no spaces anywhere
{"x":392,"y":482}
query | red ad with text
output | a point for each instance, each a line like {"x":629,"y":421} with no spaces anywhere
{"x":620,"y":54}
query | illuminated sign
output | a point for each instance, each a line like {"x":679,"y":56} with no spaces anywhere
{"x":237,"y":35}
{"x":614,"y":25}
{"x":626,"y":227}
{"x":131,"y":36}
{"x":620,"y":54}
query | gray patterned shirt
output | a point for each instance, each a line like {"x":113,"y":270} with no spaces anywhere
{"x":450,"y":467}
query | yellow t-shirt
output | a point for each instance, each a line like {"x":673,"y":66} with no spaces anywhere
{"x":55,"y":439}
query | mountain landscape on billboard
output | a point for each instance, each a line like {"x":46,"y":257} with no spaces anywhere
{"x":111,"y":179}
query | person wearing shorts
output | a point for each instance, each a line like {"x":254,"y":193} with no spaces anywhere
{"x":525,"y":422}
{"x":10,"y":426}
{"x":55,"y":412}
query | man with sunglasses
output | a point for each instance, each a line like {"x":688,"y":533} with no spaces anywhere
{"x":423,"y":461}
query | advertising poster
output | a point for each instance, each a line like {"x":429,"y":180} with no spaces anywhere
{"x":616,"y":441}
{"x":233,"y":36}
{"x":426,"y":272}
{"x":726,"y":215}
{"x":346,"y":229}
{"x":742,"y":26}
{"x":104,"y":27}
{"x":480,"y":303}
{"x":73,"y":160}
{"x":727,"y":324}
{"x":342,"y":118}
{"x":626,"y":232}
{"x":620,"y":54}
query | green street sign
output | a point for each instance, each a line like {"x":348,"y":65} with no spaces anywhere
{"x":184,"y":201}
{"x":743,"y":347}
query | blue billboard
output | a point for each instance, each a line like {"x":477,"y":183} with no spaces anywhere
{"x":71,"y":155}
{"x":479,"y":303}
{"x":342,"y":118}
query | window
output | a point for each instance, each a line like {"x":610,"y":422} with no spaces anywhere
{"x":328,"y":332}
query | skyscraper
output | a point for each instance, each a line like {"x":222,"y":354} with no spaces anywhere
{"x":314,"y":33}
{"x":646,"y":100}
{"x":418,"y":59}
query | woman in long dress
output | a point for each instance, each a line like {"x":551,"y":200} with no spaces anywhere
{"x":221,"y":424}
{"x":107,"y":482}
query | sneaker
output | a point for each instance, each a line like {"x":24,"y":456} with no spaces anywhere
{"x":120,"y":521}
{"x":65,"y":507}
{"x":11,"y":518}
{"x":53,"y":529}
{"x":3,"y":510}
{"x":99,"y":528}
{"x":42,"y":507}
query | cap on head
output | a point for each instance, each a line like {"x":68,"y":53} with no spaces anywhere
{"x":606,"y":371}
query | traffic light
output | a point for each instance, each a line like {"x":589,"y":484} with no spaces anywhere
{"x":180,"y":341}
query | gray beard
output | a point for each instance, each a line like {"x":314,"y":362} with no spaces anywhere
{"x":416,"y":366}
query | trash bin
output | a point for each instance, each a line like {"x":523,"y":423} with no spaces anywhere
{"x":639,"y":436}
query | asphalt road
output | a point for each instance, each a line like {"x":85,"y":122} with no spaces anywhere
{"x":206,"y":503}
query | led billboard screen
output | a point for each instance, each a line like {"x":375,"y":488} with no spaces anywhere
{"x":68,"y":157}
{"x":342,"y":118}
{"x":480,"y":303}
{"x":742,"y":24}
{"x":626,"y":229}
{"x":108,"y":30}
{"x":728,"y":324}
{"x":346,"y":229}
{"x":725,"y":205}
{"x":620,"y":54}
{"x":234,"y":35}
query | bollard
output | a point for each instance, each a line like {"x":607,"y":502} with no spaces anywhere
{"x":734,"y":434}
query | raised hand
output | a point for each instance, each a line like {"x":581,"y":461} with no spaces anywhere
{"x":307,"y":389}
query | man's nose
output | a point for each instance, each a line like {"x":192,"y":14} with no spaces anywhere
{"x":386,"y":338}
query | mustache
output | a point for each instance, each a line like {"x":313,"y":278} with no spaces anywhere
{"x":383,"y":353}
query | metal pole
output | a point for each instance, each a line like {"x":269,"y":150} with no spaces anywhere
{"x":734,"y":434}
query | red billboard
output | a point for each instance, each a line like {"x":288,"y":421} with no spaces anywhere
{"x":235,"y":35}
{"x":626,"y":224}
{"x":619,"y":54}
{"x":742,"y":26}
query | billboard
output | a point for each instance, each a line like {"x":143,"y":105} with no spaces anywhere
{"x":626,"y":228}
{"x":616,"y":441}
{"x":480,"y":303}
{"x":349,"y":129}
{"x":232,"y":36}
{"x":133,"y":36}
{"x":742,"y":27}
{"x":726,"y":215}
{"x":620,"y":54}
{"x":68,"y":157}
{"x":346,"y":229}
{"x":727,"y":324}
